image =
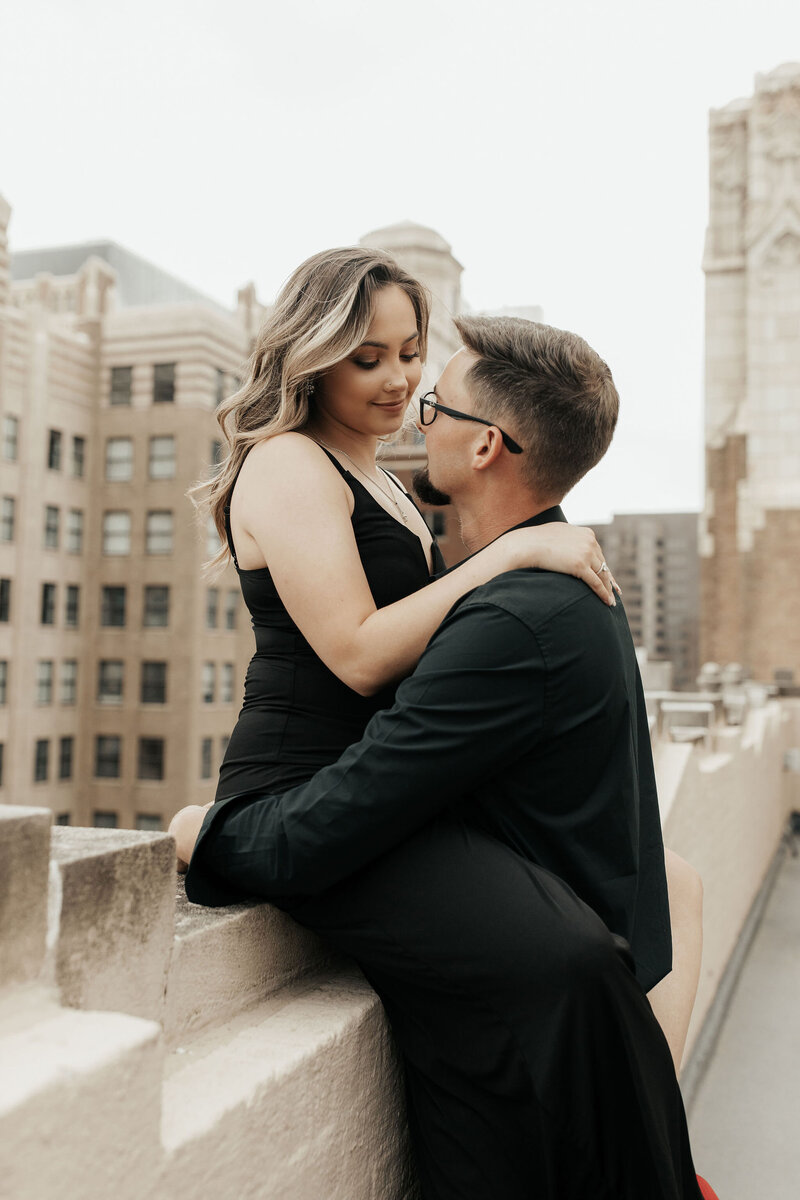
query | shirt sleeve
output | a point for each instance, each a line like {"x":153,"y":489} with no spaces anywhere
{"x":474,"y":704}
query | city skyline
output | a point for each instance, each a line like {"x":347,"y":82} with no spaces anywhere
{"x":562,"y":157}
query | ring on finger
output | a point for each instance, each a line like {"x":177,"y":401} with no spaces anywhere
{"x":603,"y":567}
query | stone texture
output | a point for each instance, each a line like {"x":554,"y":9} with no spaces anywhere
{"x":24,"y":842}
{"x":751,"y":575}
{"x":226,"y":959}
{"x":116,"y":920}
{"x":79,"y":1106}
{"x":725,"y":812}
{"x":299,"y":1099}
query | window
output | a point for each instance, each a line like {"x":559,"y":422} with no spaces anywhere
{"x":149,"y":821}
{"x":119,"y":459}
{"x":121,"y":380}
{"x":220,"y":389}
{"x":44,"y":681}
{"x":69,"y":681}
{"x":112,"y":607}
{"x":63,"y":818}
{"x":156,"y":607}
{"x":66,"y":746}
{"x":75,"y":531}
{"x":107,"y":757}
{"x":162,"y":458}
{"x":116,"y":532}
{"x":48,"y":610}
{"x":206,"y":747}
{"x":231,"y":608}
{"x":212,"y":607}
{"x":104,"y":820}
{"x":2,"y":749}
{"x":10,"y":438}
{"x":436,"y":522}
{"x":54,"y":450}
{"x":151,"y":758}
{"x":3,"y":680}
{"x":78,"y":456}
{"x":72,"y":609}
{"x":226,"y":683}
{"x":5,"y":599}
{"x":158,"y":537}
{"x":209,"y":682}
{"x":163,"y":383}
{"x":223,"y":745}
{"x":41,"y":760}
{"x":51,"y":524}
{"x":7,"y":515}
{"x":110,"y":679}
{"x":154,"y":683}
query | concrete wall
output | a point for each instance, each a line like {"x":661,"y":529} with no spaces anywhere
{"x":724,"y":809}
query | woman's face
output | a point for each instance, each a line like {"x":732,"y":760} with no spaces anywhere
{"x":369,"y":391}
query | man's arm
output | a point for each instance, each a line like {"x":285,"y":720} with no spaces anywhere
{"x":473,"y":705}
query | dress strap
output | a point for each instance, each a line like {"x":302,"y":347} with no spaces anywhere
{"x":229,"y":535}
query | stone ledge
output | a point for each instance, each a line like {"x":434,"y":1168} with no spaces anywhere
{"x":226,"y":959}
{"x":24,"y":842}
{"x":79,"y":1106}
{"x":298,"y":1097}
{"x":112,"y":918}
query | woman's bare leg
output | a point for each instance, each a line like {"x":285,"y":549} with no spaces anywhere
{"x":672,"y":1000}
{"x":184,"y":827}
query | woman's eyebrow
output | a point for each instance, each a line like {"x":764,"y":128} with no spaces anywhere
{"x":383,"y":346}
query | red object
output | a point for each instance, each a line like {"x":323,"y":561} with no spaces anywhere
{"x":706,"y":1189}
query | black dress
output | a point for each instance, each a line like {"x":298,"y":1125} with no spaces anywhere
{"x":297,"y":715}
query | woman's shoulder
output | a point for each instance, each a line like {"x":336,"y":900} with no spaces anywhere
{"x":285,"y":460}
{"x":288,"y":452}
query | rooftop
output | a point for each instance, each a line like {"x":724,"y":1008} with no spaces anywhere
{"x":139,"y":282}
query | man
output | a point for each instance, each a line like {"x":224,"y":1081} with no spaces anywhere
{"x":490,"y":851}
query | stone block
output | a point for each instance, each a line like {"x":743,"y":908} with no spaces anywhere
{"x":115,"y":918}
{"x":297,"y":1099}
{"x":79,"y":1105}
{"x":24,"y":856}
{"x":226,"y":959}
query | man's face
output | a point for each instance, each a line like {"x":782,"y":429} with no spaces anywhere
{"x":448,"y":441}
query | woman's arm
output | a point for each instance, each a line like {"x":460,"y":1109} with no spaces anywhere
{"x":296,"y":509}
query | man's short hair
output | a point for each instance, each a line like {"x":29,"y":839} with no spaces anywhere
{"x":551,"y":388}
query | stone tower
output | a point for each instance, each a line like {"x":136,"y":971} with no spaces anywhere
{"x":750,"y":533}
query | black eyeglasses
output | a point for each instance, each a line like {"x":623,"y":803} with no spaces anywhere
{"x":429,"y":408}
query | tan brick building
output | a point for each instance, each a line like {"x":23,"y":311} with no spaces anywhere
{"x":750,"y":542}
{"x":120,"y":667}
{"x":655,"y":562}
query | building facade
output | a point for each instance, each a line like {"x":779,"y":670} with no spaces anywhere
{"x":750,"y":540}
{"x":655,"y":561}
{"x":120,"y":667}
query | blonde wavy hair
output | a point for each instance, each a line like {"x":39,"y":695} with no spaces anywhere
{"x":321,"y":315}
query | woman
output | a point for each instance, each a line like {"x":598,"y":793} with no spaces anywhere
{"x":333,"y":570}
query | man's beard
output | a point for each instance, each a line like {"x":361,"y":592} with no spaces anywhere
{"x":425,"y":490}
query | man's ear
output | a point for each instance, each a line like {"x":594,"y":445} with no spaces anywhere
{"x":488,"y":449}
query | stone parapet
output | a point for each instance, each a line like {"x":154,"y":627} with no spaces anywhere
{"x":236,"y":1056}
{"x":24,"y":843}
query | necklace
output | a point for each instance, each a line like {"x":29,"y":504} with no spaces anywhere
{"x":376,"y":483}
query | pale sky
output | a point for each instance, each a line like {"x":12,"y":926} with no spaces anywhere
{"x":560,"y":149}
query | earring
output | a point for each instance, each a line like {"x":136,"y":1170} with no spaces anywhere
{"x":310,"y":386}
